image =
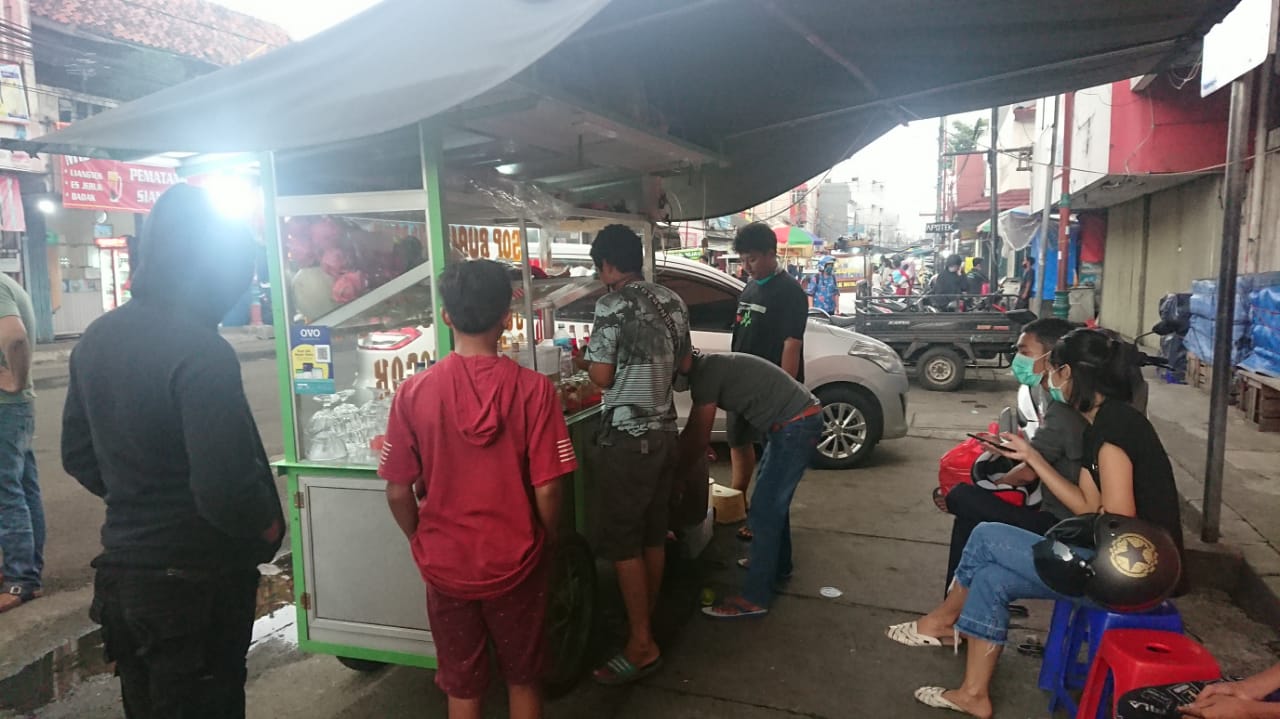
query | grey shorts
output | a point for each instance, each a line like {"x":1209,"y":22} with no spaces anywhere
{"x":633,"y":492}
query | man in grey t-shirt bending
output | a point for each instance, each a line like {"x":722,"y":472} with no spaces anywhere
{"x":789,"y":417}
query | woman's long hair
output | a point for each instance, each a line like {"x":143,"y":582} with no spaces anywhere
{"x":1100,"y":365}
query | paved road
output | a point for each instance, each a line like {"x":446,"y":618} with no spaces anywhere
{"x":74,"y":516}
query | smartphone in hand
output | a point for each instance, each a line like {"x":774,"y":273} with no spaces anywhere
{"x":994,"y":443}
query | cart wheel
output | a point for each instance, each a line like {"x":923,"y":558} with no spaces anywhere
{"x":361,"y":665}
{"x":571,"y":612}
{"x":941,"y":370}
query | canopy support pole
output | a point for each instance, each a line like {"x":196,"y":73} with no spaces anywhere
{"x":432,"y":152}
{"x":279,"y":311}
{"x":1224,"y":320}
{"x":1037,"y":286}
{"x":994,"y":268}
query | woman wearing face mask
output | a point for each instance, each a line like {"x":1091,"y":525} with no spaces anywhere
{"x":1127,"y":472}
{"x":1060,"y":440}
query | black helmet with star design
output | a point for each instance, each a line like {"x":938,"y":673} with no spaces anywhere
{"x":1122,"y":563}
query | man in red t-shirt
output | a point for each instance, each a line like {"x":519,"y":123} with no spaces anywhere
{"x":487,"y":443}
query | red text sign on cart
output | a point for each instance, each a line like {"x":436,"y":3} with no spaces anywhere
{"x":311,"y":360}
{"x":89,"y":184}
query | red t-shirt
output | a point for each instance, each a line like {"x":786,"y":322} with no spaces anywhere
{"x":481,"y":432}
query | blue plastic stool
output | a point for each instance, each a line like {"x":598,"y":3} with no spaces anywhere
{"x":1075,"y":627}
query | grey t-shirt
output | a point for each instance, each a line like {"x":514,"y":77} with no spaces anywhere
{"x":1060,"y":439}
{"x":754,"y":390}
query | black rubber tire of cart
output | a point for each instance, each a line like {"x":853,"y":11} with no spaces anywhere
{"x":571,"y":614}
{"x":940,"y":369}
{"x":361,"y":665}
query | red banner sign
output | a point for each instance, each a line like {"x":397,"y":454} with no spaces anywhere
{"x":89,"y":184}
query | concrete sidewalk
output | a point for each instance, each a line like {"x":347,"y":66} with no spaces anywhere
{"x":871,"y":533}
{"x":49,"y":361}
{"x":1251,"y":488}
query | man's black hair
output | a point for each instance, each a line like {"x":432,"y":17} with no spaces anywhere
{"x":620,"y":246}
{"x":476,"y":294}
{"x":954,"y":261}
{"x":756,"y":237}
{"x":979,"y":262}
{"x":1029,"y":260}
{"x":1048,"y":330}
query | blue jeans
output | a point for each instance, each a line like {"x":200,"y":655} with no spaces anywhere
{"x":787,"y":453}
{"x":997,"y":568}
{"x":21,"y":512}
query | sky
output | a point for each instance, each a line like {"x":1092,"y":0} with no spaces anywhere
{"x":905,"y":159}
{"x":300,"y":18}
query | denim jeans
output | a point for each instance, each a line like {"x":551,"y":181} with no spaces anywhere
{"x":21,"y":512}
{"x":787,"y":452}
{"x":997,"y":568}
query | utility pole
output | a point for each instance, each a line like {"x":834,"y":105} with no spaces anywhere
{"x":1224,"y":319}
{"x":994,"y":156}
{"x":1062,"y":300}
{"x":942,"y":179}
{"x":1038,"y":291}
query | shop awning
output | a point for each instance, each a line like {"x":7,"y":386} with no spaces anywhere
{"x":738,"y":100}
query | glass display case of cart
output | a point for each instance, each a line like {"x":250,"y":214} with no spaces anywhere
{"x":360,"y":310}
{"x":360,"y":313}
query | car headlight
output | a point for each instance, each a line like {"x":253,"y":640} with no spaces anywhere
{"x":878,"y":352}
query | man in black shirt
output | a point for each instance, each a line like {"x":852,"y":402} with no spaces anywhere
{"x":948,"y":286}
{"x":157,"y":424}
{"x":772,"y":314}
{"x":976,"y":282}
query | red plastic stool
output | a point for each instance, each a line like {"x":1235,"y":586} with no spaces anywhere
{"x":1136,"y":658}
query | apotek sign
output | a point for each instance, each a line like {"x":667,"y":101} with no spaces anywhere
{"x":89,"y":184}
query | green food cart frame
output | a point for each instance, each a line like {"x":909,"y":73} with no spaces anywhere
{"x":351,"y":600}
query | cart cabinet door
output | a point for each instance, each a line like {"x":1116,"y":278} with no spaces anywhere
{"x":365,"y":588}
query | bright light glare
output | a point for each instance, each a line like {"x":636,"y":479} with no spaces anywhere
{"x":47,"y":206}
{"x":233,"y":196}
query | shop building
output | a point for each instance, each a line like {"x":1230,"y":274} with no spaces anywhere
{"x":1146,"y":188}
{"x":83,"y":58}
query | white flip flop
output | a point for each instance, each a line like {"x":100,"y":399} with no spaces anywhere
{"x":908,"y":634}
{"x":932,"y":697}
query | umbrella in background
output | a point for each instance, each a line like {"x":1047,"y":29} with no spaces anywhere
{"x":791,"y":236}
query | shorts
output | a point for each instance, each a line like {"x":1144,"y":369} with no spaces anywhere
{"x":633,"y":476}
{"x":463,"y":628}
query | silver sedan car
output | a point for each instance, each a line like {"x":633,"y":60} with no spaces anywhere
{"x":860,"y":380}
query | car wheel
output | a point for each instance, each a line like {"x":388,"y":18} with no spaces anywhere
{"x":941,"y":369}
{"x":851,"y":426}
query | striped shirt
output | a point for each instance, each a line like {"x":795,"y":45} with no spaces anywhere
{"x":631,"y":334}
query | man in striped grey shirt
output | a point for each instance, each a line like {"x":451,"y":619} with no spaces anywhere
{"x":640,"y":334}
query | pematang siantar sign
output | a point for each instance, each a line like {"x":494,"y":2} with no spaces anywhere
{"x":90,"y":184}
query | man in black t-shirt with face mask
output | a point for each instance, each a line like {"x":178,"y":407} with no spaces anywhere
{"x":772,"y":313}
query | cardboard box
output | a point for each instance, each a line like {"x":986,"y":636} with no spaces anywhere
{"x":730,"y":504}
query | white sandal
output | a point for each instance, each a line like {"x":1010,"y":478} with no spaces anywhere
{"x":932,"y":697}
{"x":909,"y":635}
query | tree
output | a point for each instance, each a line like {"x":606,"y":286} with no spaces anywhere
{"x":963,"y":137}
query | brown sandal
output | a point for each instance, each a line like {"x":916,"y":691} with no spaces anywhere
{"x":15,"y":596}
{"x":744,"y":534}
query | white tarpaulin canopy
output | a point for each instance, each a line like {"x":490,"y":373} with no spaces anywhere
{"x":732,"y":102}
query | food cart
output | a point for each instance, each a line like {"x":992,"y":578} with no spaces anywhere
{"x":353,"y":258}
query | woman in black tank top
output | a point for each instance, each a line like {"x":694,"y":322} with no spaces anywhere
{"x":1126,"y":471}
